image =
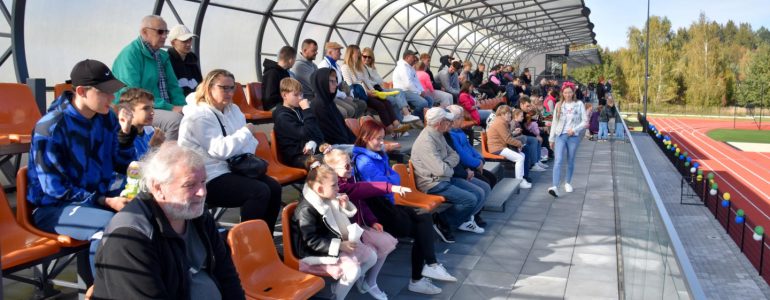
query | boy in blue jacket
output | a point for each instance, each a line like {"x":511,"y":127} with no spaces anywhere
{"x":75,"y":149}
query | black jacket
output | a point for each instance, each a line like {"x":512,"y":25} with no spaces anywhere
{"x":477,"y":77}
{"x":330,"y":120}
{"x":142,"y":257}
{"x":189,"y":69}
{"x":315,"y":234}
{"x":293,"y":129}
{"x":272,"y":74}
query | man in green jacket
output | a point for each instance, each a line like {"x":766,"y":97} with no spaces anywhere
{"x":143,"y":64}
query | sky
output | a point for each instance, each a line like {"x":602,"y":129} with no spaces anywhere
{"x":612,"y":18}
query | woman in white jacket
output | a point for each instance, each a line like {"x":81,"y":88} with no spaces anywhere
{"x":569,"y":120}
{"x":202,"y":127}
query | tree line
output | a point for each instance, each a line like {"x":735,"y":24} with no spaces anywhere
{"x":706,"y":64}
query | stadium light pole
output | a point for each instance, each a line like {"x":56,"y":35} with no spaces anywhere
{"x":646,"y":63}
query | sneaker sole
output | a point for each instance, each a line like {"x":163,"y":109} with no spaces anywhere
{"x":441,"y":235}
{"x":425,"y":292}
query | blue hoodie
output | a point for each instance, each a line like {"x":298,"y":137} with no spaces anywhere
{"x":469,"y":157}
{"x":72,"y":159}
{"x":374,"y":166}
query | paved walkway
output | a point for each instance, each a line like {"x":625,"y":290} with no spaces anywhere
{"x":539,"y":248}
{"x":723,"y":271}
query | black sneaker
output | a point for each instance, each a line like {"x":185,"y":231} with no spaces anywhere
{"x":442,"y":230}
{"x":479,"y":220}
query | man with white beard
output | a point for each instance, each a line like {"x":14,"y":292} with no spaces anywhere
{"x":162,"y":245}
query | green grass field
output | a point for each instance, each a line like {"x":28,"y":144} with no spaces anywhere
{"x":737,"y":135}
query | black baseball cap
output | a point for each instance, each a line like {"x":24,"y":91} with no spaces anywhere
{"x":96,"y":74}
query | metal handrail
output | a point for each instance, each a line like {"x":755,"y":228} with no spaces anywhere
{"x":682,"y":259}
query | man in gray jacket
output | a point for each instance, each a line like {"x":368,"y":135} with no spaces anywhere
{"x":449,"y":81}
{"x":434,"y":163}
{"x":304,"y":67}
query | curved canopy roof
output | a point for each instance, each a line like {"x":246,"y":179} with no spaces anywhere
{"x":44,"y":39}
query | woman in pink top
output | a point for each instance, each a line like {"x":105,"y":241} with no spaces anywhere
{"x":470,"y":105}
{"x":444,"y":98}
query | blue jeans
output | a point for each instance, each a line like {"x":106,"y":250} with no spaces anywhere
{"x":570,"y":144}
{"x":77,"y":220}
{"x":531,"y":150}
{"x":483,"y":115}
{"x":619,"y":131}
{"x":463,"y":203}
{"x":397,"y":101}
{"x":603,"y":130}
{"x":478,"y":187}
{"x":417,"y":102}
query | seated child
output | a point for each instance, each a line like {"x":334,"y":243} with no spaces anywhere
{"x":373,"y":236}
{"x":296,"y":128}
{"x":323,"y":239}
{"x":139,"y":102}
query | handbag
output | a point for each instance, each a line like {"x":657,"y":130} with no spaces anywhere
{"x":244,"y":164}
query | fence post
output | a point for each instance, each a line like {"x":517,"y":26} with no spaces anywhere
{"x":743,"y":233}
{"x":761,"y":254}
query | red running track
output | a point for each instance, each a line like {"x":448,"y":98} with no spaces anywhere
{"x":745,"y":175}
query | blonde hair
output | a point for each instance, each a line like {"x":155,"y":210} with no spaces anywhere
{"x":290,"y":85}
{"x":517,"y":112}
{"x":503,"y":109}
{"x":317,"y":171}
{"x":334,"y":156}
{"x":369,"y":52}
{"x":353,"y":58}
{"x":203,"y":92}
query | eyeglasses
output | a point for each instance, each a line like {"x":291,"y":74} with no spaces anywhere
{"x":227,"y":88}
{"x":160,"y":31}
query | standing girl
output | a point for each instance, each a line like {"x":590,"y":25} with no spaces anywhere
{"x":568,"y":121}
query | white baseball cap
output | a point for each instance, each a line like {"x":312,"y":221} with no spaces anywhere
{"x":435,"y":114}
{"x":180,"y":32}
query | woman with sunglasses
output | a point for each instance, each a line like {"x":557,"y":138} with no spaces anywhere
{"x":398,"y":101}
{"x":354,"y":73}
{"x":215,"y":127}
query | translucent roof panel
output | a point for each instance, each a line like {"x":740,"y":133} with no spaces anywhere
{"x":239,"y":35}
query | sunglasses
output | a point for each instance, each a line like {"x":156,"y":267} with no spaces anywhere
{"x":160,"y":31}
{"x":366,"y":56}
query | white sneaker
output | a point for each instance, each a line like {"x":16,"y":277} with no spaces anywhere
{"x":553,"y":191}
{"x":542,"y":165}
{"x":424,"y":286}
{"x":405,"y":133}
{"x":378,"y":294}
{"x":537,"y":168}
{"x":525,"y":184}
{"x":568,"y":188}
{"x":410,"y":118}
{"x":438,"y":272}
{"x":471,"y":226}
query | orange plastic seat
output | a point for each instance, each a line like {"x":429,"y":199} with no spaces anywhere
{"x":282,"y":173}
{"x":60,"y":88}
{"x":19,"y":111}
{"x":485,"y":150}
{"x":254,"y":95}
{"x":252,"y":114}
{"x":387,"y":85}
{"x":262,"y":274}
{"x":18,"y":245}
{"x":354,"y":125}
{"x":415,"y":198}
{"x":289,"y":258}
{"x":24,"y":214}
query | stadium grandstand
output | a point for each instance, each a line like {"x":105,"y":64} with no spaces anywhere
{"x":294,"y":149}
